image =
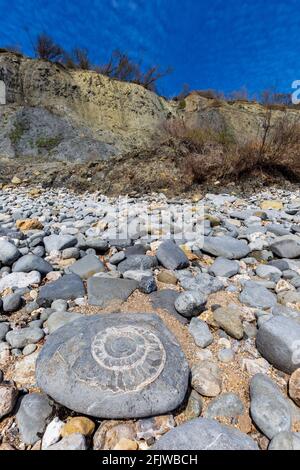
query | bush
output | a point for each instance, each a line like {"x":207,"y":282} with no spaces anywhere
{"x":216,"y":155}
{"x":46,"y":48}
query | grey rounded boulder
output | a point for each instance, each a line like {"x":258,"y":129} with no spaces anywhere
{"x":29,"y":263}
{"x":278,"y":341}
{"x":9,"y":253}
{"x":205,"y":434}
{"x":114,"y":366}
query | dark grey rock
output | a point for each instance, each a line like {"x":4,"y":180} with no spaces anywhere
{"x":32,"y":417}
{"x":60,"y":305}
{"x":114,"y":366}
{"x":270,"y":410}
{"x":59,"y":319}
{"x":4,"y":328}
{"x":117,"y":258}
{"x":68,"y":287}
{"x":137,"y":263}
{"x":286,"y":247}
{"x":11,"y":303}
{"x":204,"y":434}
{"x":59,"y":242}
{"x":87,"y":266}
{"x":29,"y":263}
{"x":287,"y":312}
{"x":200,"y":332}
{"x":223,"y":267}
{"x":226,"y":247}
{"x":257,"y":296}
{"x":9,"y":253}
{"x":147,"y":285}
{"x":171,"y":256}
{"x":101,"y":246}
{"x":203,"y":283}
{"x":190,"y":303}
{"x":165,"y":299}
{"x":269,"y":272}
{"x":103,"y":291}
{"x":278,"y":341}
{"x":20,"y":338}
{"x":228,"y":405}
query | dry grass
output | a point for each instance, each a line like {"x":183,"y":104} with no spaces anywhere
{"x":216,"y":155}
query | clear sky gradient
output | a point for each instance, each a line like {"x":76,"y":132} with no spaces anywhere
{"x":220,"y":44}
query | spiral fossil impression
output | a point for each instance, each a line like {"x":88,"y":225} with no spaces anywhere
{"x":130,"y":358}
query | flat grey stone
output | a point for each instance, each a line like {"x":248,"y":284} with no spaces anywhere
{"x":200,"y":332}
{"x":72,"y":442}
{"x":228,"y":405}
{"x":165,"y":299}
{"x":190,"y":303}
{"x":270,"y":410}
{"x":278,"y":341}
{"x":202,"y":282}
{"x":285,"y":441}
{"x":87,"y":266}
{"x":103,"y":291}
{"x":34,"y":410}
{"x":59,"y":319}
{"x":137,"y":263}
{"x":287,"y":312}
{"x":204,"y":434}
{"x":59,"y":242}
{"x":114,"y":366}
{"x":257,"y":296}
{"x":286,"y":247}
{"x":269,"y":272}
{"x":9,"y":253}
{"x":29,"y":263}
{"x":171,"y":256}
{"x":223,"y":267}
{"x":101,"y":246}
{"x":68,"y":287}
{"x":226,"y":247}
{"x":22,"y":337}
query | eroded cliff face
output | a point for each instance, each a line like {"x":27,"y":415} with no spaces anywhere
{"x":79,"y":116}
{"x":74,"y":115}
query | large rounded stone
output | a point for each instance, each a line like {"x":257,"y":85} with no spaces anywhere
{"x":278,"y":341}
{"x":226,"y":247}
{"x":114,"y":366}
{"x":205,"y":434}
{"x":270,"y":410}
{"x":171,"y":256}
{"x":29,"y":263}
{"x":9,"y":253}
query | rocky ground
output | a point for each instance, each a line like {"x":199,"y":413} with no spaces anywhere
{"x":113,"y":336}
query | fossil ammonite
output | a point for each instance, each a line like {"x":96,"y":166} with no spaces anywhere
{"x":130,"y":358}
{"x":114,"y":366}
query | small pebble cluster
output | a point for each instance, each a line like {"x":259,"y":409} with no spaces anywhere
{"x":124,"y":329}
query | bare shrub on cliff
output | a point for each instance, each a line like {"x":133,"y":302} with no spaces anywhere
{"x":121,"y":67}
{"x":77,"y":59}
{"x":46,"y":48}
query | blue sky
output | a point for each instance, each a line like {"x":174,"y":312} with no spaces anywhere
{"x":220,"y":44}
